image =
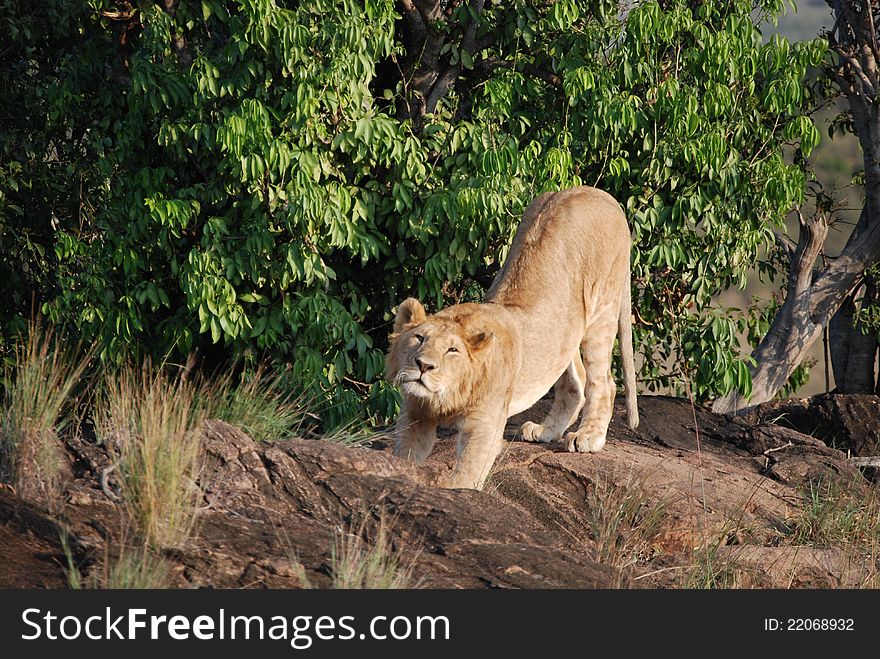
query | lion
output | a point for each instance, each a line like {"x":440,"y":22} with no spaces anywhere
{"x":548,"y":320}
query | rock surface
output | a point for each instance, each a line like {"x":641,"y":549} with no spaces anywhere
{"x":546,"y":519}
{"x":850,"y":422}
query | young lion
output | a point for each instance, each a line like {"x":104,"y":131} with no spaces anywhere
{"x":549,"y":320}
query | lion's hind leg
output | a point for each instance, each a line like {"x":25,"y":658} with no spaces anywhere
{"x":600,"y":389}
{"x":568,"y":399}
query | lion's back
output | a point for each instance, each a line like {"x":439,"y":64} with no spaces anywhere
{"x":564,"y":238}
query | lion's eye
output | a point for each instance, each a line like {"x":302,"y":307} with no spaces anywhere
{"x":420,"y":338}
{"x":452,"y":349}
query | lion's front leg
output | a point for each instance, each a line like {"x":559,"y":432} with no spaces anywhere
{"x":415,"y":438}
{"x":480,"y":438}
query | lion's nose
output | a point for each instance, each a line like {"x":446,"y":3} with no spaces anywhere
{"x":424,"y":366}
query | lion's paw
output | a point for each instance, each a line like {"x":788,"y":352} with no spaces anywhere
{"x":582,"y":442}
{"x":535,"y":432}
{"x":459,"y":481}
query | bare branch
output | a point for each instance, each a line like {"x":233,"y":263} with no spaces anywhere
{"x":869,"y":66}
{"x":441,"y":87}
{"x":810,"y":243}
{"x":871,"y":461}
{"x":793,"y":327}
{"x":525,"y":67}
{"x":867,"y":86}
{"x":869,"y":12}
{"x":784,"y":242}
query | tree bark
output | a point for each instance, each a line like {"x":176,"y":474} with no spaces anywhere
{"x":859,"y":378}
{"x":853,"y":351}
{"x":427,"y":73}
{"x":800,"y":320}
{"x":839,"y":336}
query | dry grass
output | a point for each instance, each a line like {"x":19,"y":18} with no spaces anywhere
{"x":38,"y":385}
{"x":835,"y":515}
{"x":131,"y":568}
{"x":844,"y":516}
{"x":712,"y":568}
{"x":365,"y":557}
{"x":845,"y":519}
{"x":624,"y":519}
{"x":357,"y":435}
{"x":149,"y":421}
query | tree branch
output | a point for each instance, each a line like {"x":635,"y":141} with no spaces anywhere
{"x":867,"y":86}
{"x":785,"y":243}
{"x":869,"y":13}
{"x":178,"y":41}
{"x":429,"y":10}
{"x":792,"y":330}
{"x":470,"y":32}
{"x":416,"y":31}
{"x":441,"y":87}
{"x":810,"y":243}
{"x":492,"y":63}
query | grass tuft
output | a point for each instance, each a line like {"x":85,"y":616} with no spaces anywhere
{"x":365,"y":558}
{"x":714,"y":567}
{"x":258,"y":402}
{"x":846,"y":517}
{"x":356,"y":435}
{"x":132,"y":568}
{"x":150,"y":423}
{"x":38,"y":384}
{"x":624,"y":520}
{"x":834,"y":515}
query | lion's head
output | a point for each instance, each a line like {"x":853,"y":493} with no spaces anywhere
{"x":439,"y":361}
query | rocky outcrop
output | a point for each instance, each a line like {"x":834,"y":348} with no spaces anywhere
{"x":850,"y":422}
{"x":274,"y":510}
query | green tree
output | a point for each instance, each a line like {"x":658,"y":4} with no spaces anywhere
{"x":47,"y":145}
{"x":273,"y":177}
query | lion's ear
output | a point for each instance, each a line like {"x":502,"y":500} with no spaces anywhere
{"x":480,"y":340}
{"x":409,"y":312}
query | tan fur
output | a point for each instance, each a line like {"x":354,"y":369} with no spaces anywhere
{"x":549,"y":320}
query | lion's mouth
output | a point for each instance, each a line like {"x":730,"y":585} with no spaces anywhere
{"x":416,"y":385}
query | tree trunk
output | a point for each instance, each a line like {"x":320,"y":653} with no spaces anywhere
{"x":428,"y":74}
{"x":802,"y":317}
{"x":839,"y":336}
{"x":859,"y":378}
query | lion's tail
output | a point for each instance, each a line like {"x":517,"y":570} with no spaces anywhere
{"x":624,"y":335}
